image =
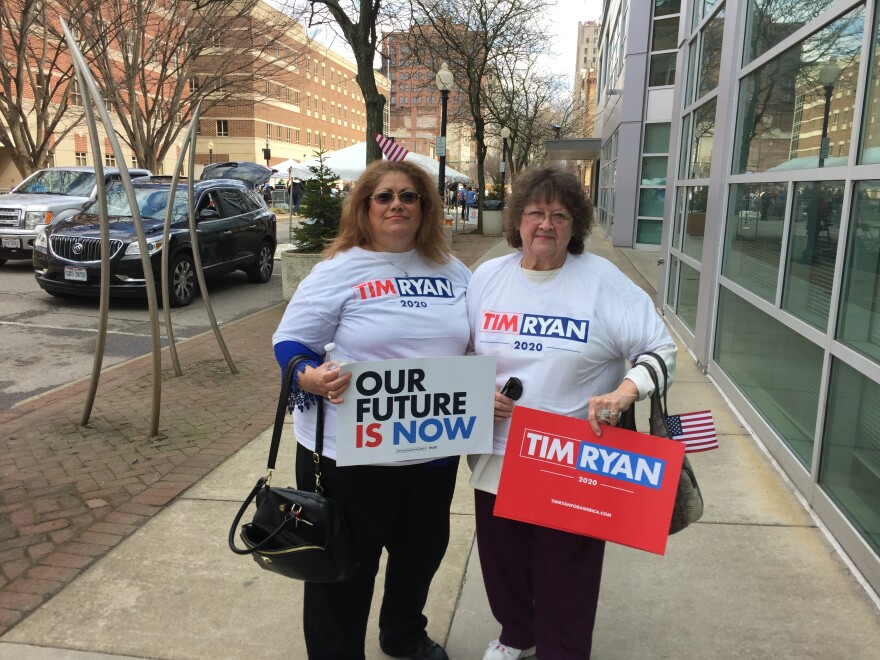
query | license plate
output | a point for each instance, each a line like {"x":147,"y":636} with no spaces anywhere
{"x":11,"y":242}
{"x":75,"y":274}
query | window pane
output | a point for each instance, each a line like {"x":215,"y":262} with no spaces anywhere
{"x":665,"y":34}
{"x":701,"y":9}
{"x":666,"y":7}
{"x":768,"y":23}
{"x":649,"y":231}
{"x":870,"y":152}
{"x":651,"y":202}
{"x":688,"y":291}
{"x":656,"y":138}
{"x":777,"y":370}
{"x":860,"y":304}
{"x":783,"y":103}
{"x":662,"y":70}
{"x":695,"y":221}
{"x":677,"y":217}
{"x":754,"y":237}
{"x":812,"y":248}
{"x":692,"y":60}
{"x":703,"y":140}
{"x":710,"y":57}
{"x":654,"y":170}
{"x":849,"y":470}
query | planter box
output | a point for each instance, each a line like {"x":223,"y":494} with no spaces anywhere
{"x":294,"y":267}
{"x":493,"y":223}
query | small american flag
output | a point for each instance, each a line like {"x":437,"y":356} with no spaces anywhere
{"x":391,"y":149}
{"x":696,"y":430}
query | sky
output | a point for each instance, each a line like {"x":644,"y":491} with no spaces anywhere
{"x":563,"y":21}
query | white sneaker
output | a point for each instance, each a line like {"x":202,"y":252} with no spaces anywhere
{"x":498,"y":651}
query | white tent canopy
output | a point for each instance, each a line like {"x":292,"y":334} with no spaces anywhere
{"x":350,"y":162}
{"x":300,"y":171}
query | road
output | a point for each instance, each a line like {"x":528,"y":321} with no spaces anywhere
{"x":46,"y":342}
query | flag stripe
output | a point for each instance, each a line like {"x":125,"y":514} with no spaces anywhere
{"x":696,"y":430}
{"x":392,"y":150}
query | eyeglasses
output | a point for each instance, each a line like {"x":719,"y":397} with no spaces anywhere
{"x":536,"y":217}
{"x":405,"y":196}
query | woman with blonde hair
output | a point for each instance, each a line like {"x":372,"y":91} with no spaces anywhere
{"x":391,"y":234}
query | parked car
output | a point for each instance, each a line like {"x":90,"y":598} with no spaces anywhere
{"x":47,"y":196}
{"x":235,"y":232}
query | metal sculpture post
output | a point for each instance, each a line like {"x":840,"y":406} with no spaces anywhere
{"x":91,"y":90}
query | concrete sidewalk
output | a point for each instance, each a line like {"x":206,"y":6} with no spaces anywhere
{"x":755,"y":578}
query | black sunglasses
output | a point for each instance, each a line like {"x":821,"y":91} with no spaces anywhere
{"x":405,"y":196}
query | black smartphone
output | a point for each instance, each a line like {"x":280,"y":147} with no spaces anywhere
{"x":513,"y":388}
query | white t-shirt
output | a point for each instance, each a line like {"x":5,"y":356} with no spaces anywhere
{"x":566,"y":339}
{"x":362,"y":301}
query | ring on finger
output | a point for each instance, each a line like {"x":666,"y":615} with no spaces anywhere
{"x":605,"y":415}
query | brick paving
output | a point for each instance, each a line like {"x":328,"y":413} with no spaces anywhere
{"x":70,"y":493}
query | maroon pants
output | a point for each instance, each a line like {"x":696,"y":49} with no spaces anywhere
{"x":542,"y":584}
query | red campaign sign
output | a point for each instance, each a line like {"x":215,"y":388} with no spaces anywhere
{"x":619,"y":487}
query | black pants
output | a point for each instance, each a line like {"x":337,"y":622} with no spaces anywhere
{"x":403,"y":509}
{"x":542,"y":584}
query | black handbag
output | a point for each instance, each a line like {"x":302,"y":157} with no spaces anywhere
{"x":296,"y":533}
{"x":688,"y":507}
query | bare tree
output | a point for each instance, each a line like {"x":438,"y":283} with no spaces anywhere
{"x":473,"y":37}
{"x":156,"y":60}
{"x":36,"y":79}
{"x":359,"y":21}
{"x":529,"y":102}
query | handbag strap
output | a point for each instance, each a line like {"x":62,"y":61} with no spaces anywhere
{"x":280,"y":414}
{"x":652,"y":372}
{"x":263,"y":482}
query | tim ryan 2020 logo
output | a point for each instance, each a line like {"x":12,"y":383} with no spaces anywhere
{"x":536,"y":325}
{"x":594,"y":458}
{"x":404,"y":287}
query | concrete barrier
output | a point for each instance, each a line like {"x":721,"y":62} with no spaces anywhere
{"x":294,"y":267}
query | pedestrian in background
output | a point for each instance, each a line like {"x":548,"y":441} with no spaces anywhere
{"x":392,"y":225}
{"x":471,"y":197}
{"x":296,"y":192}
{"x":543,"y":584}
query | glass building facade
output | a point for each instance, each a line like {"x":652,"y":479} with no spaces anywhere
{"x":771,"y":237}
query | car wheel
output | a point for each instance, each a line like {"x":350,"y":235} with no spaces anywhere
{"x":261,"y":270}
{"x":182,"y":281}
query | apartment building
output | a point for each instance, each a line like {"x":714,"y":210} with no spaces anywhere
{"x":302,"y":95}
{"x":415,"y":108}
{"x":740,"y":140}
{"x":308,"y":100}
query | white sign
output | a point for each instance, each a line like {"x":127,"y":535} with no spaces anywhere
{"x":421,"y":408}
{"x":440,"y":145}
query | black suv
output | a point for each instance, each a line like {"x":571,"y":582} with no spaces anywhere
{"x":235,"y":231}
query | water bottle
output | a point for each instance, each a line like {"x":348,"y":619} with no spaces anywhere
{"x":334,"y":358}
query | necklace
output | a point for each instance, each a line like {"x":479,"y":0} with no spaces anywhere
{"x":401,"y":269}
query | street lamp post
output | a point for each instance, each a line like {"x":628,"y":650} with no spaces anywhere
{"x":505,"y":133}
{"x":828,"y":75}
{"x":267,"y":154}
{"x":210,"y":152}
{"x":444,"y":83}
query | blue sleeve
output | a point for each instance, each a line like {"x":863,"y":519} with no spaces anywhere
{"x":284,"y":352}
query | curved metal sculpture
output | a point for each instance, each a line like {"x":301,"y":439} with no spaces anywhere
{"x":91,"y":95}
{"x":189,"y":142}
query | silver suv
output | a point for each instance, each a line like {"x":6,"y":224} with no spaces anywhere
{"x":44,"y":198}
